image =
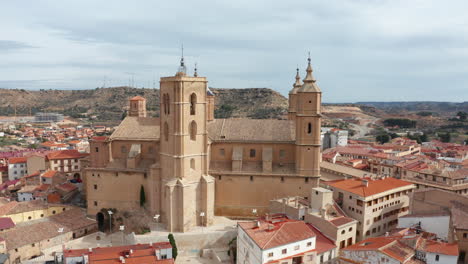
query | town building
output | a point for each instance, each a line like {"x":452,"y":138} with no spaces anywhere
{"x":320,"y":210}
{"x":443,"y":213}
{"x":191,"y":166}
{"x":27,"y":241}
{"x":153,"y":253}
{"x":375,"y":203}
{"x":66,"y":161}
{"x":333,"y":137}
{"x":278,"y":239}
{"x":406,"y":246}
{"x":17,"y":168}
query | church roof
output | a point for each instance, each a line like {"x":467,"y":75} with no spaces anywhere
{"x":137,"y":128}
{"x":243,"y":129}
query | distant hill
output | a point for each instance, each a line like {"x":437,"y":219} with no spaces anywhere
{"x":109,"y":104}
{"x":439,"y":107}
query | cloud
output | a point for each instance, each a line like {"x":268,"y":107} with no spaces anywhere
{"x":9,"y":45}
{"x":361,"y":49}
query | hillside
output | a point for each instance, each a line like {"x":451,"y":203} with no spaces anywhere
{"x":108,"y":104}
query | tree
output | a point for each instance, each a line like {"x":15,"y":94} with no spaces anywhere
{"x":142,"y":196}
{"x":173,"y":244}
{"x":462,"y":115}
{"x":383,"y":138}
{"x":124,"y":114}
{"x":445,"y":137}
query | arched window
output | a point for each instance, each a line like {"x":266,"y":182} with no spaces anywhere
{"x":166,"y":131}
{"x":193,"y":103}
{"x":168,"y":104}
{"x":193,"y":130}
{"x":309,"y":128}
{"x":163,"y":103}
{"x":192,"y":164}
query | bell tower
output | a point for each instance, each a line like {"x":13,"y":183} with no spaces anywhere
{"x":308,"y":123}
{"x":137,"y":107}
{"x":293,"y":97}
{"x":187,"y":191}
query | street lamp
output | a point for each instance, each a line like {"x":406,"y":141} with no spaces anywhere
{"x":156,"y":218}
{"x":110,"y":220}
{"x":60,"y":231}
{"x":202,"y":214}
{"x":122,"y":228}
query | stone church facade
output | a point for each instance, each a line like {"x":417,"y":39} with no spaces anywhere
{"x":192,"y":166}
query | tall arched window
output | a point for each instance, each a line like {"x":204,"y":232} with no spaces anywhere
{"x":163,"y":102}
{"x":309,"y":128}
{"x":168,"y":103}
{"x":193,"y":130}
{"x":192,"y":164}
{"x":166,"y":131}
{"x":193,"y":103}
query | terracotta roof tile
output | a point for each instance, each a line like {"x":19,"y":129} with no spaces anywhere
{"x":374,"y":186}
{"x":273,"y":234}
{"x":65,"y":154}
{"x":49,"y":174}
{"x":17,"y":160}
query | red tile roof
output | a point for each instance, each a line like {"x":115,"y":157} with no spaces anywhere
{"x":374,"y":186}
{"x":99,"y":138}
{"x":137,"y":98}
{"x":142,"y":253}
{"x":17,"y":160}
{"x":441,"y":248}
{"x":65,"y":154}
{"x":322,"y":243}
{"x":66,"y":187}
{"x":49,"y":174}
{"x":6,"y":223}
{"x":280,"y":231}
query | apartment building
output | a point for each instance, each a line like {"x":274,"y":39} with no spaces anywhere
{"x":276,"y":239}
{"x":375,"y":203}
{"x":17,"y":168}
{"x":321,"y":211}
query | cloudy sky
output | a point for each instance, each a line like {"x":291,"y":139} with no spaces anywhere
{"x":361,"y":50}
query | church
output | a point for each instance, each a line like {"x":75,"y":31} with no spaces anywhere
{"x":190,"y":166}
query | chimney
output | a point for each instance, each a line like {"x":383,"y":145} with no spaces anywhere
{"x":365,"y":183}
{"x":323,"y":213}
{"x":267,"y":217}
{"x":257,"y":223}
{"x":131,"y":251}
{"x":387,"y":233}
{"x":90,"y":250}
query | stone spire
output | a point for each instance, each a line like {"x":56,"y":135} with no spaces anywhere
{"x":182,"y":69}
{"x":297,"y":84}
{"x":309,"y":85}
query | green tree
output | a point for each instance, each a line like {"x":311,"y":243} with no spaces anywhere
{"x":124,"y":114}
{"x":445,"y":137}
{"x":173,"y":244}
{"x":142,"y":196}
{"x":462,"y":115}
{"x":383,"y":138}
